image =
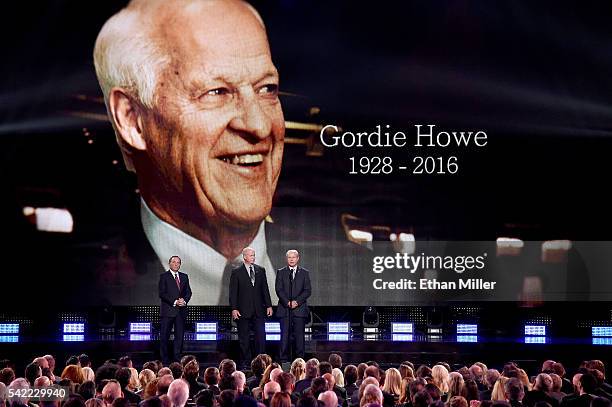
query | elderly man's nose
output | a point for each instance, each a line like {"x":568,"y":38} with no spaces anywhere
{"x":252,"y":119}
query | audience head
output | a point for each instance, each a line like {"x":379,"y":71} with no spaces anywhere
{"x":274,"y":373}
{"x":325,"y":367}
{"x":335,"y":360}
{"x":32,"y":371}
{"x":281,"y":399}
{"x":110,"y":392}
{"x":178,"y":392}
{"x":350,"y":375}
{"x":312,"y":368}
{"x":514,"y":389}
{"x":211,"y":376}
{"x":163,"y":383}
{"x":372,"y":371}
{"x":298,"y":369}
{"x":286,"y":382}
{"x":393,"y":381}
{"x":258,"y":366}
{"x":439,"y":375}
{"x":227,"y":367}
{"x":318,"y":386}
{"x":328,"y":398}
{"x":371,"y":394}
{"x":240,"y":380}
{"x":270,"y":389}
{"x":7,"y":375}
{"x":457,"y":401}
{"x":226,"y":398}
{"x":421,"y":399}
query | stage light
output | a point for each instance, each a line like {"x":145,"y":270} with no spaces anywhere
{"x":370,"y":336}
{"x":467,"y":329}
{"x":9,"y":338}
{"x":272,"y":327}
{"x":140,"y":327}
{"x":50,"y":219}
{"x":535,"y":330}
{"x":9,"y":328}
{"x":403,"y":243}
{"x":338,"y":327}
{"x":74,"y":328}
{"x":140,"y":337}
{"x":509,"y":246}
{"x":605,"y":331}
{"x":555,"y":251}
{"x":337,"y":337}
{"x":207,"y":327}
{"x":401,"y":337}
{"x":402,"y":327}
{"x":206,"y":336}
{"x":434,"y":331}
{"x":602,"y":341}
{"x":360,"y":236}
{"x":535,"y":339}
{"x":273,"y":337}
{"x":467,"y":338}
{"x":73,"y":338}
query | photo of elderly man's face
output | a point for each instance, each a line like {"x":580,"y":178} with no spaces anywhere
{"x":214,"y":138}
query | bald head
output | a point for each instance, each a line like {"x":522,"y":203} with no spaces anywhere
{"x":275,"y":373}
{"x":110,"y":392}
{"x":270,"y":389}
{"x":329,"y":398}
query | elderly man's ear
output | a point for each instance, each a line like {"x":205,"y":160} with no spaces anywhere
{"x":127,"y":114}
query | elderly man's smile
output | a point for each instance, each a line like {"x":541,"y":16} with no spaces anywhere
{"x":246,"y":160}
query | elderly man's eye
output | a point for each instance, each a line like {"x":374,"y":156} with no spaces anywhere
{"x":218,"y":92}
{"x":270,"y":89}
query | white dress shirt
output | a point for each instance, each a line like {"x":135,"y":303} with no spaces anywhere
{"x":206,"y":265}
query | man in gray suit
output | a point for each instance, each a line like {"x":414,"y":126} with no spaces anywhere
{"x":293,"y":289}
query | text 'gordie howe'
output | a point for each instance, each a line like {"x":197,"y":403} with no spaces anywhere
{"x":435,"y":144}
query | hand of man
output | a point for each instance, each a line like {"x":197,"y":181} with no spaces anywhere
{"x":294,"y":304}
{"x":235,"y":314}
{"x":269,"y":311}
{"x":181,"y":302}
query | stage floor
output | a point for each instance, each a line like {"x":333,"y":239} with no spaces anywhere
{"x":387,"y":349}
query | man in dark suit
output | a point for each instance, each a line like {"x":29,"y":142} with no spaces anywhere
{"x":249,"y":298}
{"x":175,"y":293}
{"x":293,"y":289}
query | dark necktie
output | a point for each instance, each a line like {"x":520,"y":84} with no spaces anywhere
{"x":293,"y":274}
{"x":252,"y":274}
{"x":178,"y":283}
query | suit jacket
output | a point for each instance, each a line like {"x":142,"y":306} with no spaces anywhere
{"x":298,"y":291}
{"x":169,"y":292}
{"x":248,"y":299}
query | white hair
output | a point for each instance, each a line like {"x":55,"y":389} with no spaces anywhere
{"x":18,"y":384}
{"x":246,"y":250}
{"x":127,"y":55}
{"x":292,"y":251}
{"x":178,"y":392}
{"x":329,"y":398}
{"x":240,"y":379}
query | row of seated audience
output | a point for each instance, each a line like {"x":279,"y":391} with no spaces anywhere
{"x":116,"y":383}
